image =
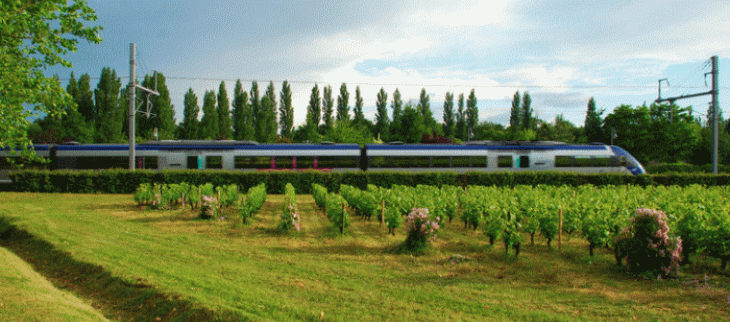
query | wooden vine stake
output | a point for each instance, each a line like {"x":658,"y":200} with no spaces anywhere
{"x":382,"y":214}
{"x":342,"y":228}
{"x":560,"y":230}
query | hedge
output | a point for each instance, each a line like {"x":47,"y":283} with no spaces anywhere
{"x":124,"y":181}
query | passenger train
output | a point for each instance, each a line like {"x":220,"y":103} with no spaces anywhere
{"x":249,"y":155}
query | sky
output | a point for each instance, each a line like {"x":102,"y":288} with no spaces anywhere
{"x":561,"y":52}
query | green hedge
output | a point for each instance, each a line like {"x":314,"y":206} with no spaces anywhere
{"x":663,"y":168}
{"x":123,"y":181}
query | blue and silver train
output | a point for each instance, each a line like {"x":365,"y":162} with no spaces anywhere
{"x":249,"y":156}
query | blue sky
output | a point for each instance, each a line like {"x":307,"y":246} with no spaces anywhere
{"x":562,"y":52}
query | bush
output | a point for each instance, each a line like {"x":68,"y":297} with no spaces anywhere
{"x":647,"y":246}
{"x":421,"y":230}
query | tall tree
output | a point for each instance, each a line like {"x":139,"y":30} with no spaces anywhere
{"x":327,"y":107}
{"x":209,"y":123}
{"x":286,"y":111}
{"x":33,"y":36}
{"x":472,"y":114}
{"x":449,"y":120}
{"x":242,"y":114}
{"x":343,"y":104}
{"x":412,"y":127}
{"x":515,"y":113}
{"x":395,"y":126}
{"x":190,"y":123}
{"x":461,"y":119}
{"x":424,"y":107}
{"x":359,"y":115}
{"x":73,"y":124}
{"x":85,"y":99}
{"x":314,"y":108}
{"x":526,"y":119}
{"x":269,"y":110}
{"x":110,"y":117}
{"x":224,"y":113}
{"x":593,"y":122}
{"x":382,"y":121}
{"x":258,"y":123}
{"x":162,"y":108}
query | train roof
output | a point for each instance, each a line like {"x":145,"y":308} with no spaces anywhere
{"x":492,"y":145}
{"x":207,"y":145}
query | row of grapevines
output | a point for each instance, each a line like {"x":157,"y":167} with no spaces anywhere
{"x":290,"y":214}
{"x":253,"y":201}
{"x":334,"y":206}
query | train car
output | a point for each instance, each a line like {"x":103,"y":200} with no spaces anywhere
{"x":501,"y":156}
{"x":210,"y":154}
{"x":12,"y":161}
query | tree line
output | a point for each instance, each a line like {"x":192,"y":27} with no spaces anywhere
{"x":654,"y":133}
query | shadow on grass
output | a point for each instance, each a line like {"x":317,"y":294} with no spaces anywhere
{"x":115,"y":297}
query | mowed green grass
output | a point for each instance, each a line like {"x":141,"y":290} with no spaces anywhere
{"x":253,"y":272}
{"x":27,"y":296}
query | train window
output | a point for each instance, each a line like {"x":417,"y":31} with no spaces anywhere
{"x":305,"y":162}
{"x":601,"y":162}
{"x":617,"y":161}
{"x":327,"y":162}
{"x":563,"y":161}
{"x":401,"y":162}
{"x":421,"y":162}
{"x":479,"y":162}
{"x":283,"y":162}
{"x":261,"y":162}
{"x":241,"y":162}
{"x":349,"y":162}
{"x":380,"y":162}
{"x":582,"y":162}
{"x":524,"y":161}
{"x":441,"y":162}
{"x":102,"y":162}
{"x":150,"y":163}
{"x":214,"y":162}
{"x":504,"y":161}
{"x":461,"y":162}
{"x":193,"y":162}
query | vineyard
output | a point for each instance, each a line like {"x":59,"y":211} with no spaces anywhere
{"x":700,"y":216}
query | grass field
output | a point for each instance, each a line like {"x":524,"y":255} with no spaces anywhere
{"x":136,"y":264}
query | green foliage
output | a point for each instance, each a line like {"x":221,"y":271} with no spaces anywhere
{"x":35,"y":35}
{"x":336,"y":211}
{"x":255,"y":198}
{"x":109,"y":117}
{"x":225,"y":129}
{"x":343,"y":107}
{"x":242,"y":114}
{"x":319,"y":193}
{"x":143,"y":195}
{"x":286,"y":111}
{"x":190,"y":124}
{"x":209,"y":122}
{"x":290,"y":214}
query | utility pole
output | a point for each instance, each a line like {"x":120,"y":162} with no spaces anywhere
{"x":132,"y":103}
{"x":714,"y":92}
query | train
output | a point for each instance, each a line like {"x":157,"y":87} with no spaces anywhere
{"x":327,"y":156}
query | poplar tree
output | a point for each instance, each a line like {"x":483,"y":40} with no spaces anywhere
{"x":382,"y":121}
{"x":527,"y":120}
{"x":359,"y":115}
{"x":224,"y":113}
{"x":190,"y":123}
{"x":270,"y":114}
{"x":327,"y":107}
{"x":73,"y":126}
{"x":593,"y":122}
{"x":161,"y":106}
{"x":515,"y":112}
{"x":395,"y":126}
{"x":472,"y":114}
{"x":110,"y":117}
{"x":343,"y":101}
{"x":461,"y":119}
{"x":85,"y":99}
{"x":242,"y":114}
{"x":424,"y":108}
{"x":314,"y":109}
{"x":209,"y":123}
{"x":286,"y":111}
{"x":449,"y":121}
{"x":258,"y":121}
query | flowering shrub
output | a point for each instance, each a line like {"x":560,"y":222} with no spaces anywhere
{"x":647,"y":246}
{"x":290,"y":218}
{"x":208,"y":207}
{"x":421,"y":229}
